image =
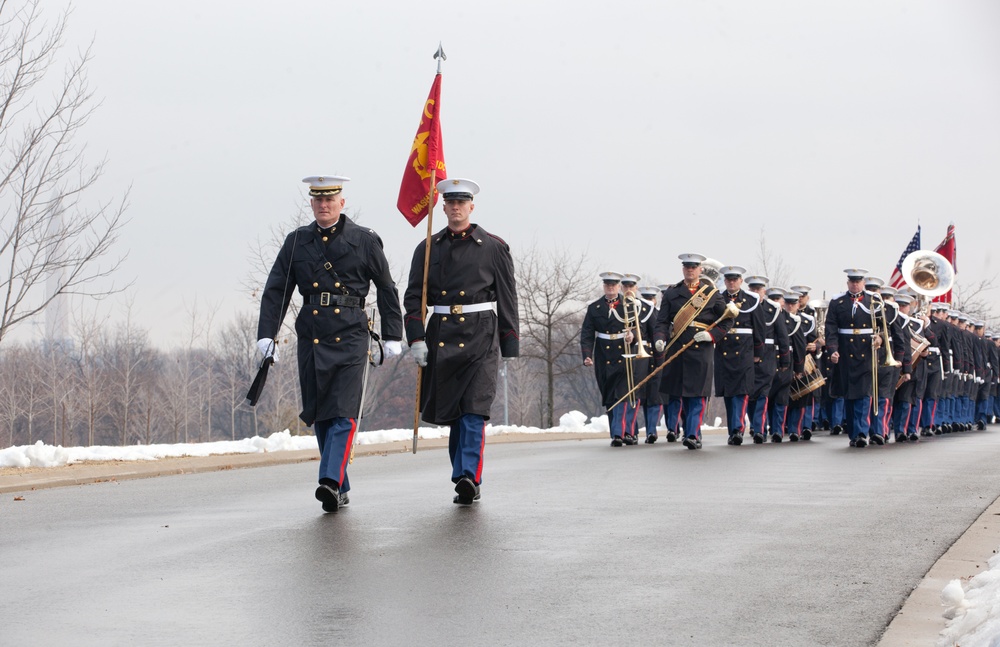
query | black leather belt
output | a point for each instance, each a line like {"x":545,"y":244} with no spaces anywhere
{"x":330,"y":299}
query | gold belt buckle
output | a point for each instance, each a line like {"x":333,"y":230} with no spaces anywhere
{"x":324,"y":298}
{"x":456,"y":309}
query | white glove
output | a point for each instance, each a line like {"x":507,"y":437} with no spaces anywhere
{"x":393,"y":348}
{"x":419,"y":351}
{"x":702,"y":336}
{"x":660,"y":345}
{"x":268,"y":348}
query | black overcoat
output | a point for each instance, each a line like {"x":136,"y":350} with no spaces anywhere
{"x":690,"y":374}
{"x":332,"y":340}
{"x":737,"y":352}
{"x":852,"y":375}
{"x":471,"y":267}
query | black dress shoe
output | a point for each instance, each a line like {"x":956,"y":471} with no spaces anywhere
{"x":650,"y":439}
{"x":776,"y":438}
{"x":329,"y":496}
{"x":671,"y":437}
{"x":758,"y":439}
{"x":926,"y":432}
{"x":736,"y":439}
{"x":877,"y":439}
{"x":900,"y":438}
{"x":860,"y":441}
{"x":616,"y":441}
{"x":853,"y":443}
{"x":912,"y":438}
{"x":807,"y":434}
{"x":467,"y":491}
{"x":836,"y":430}
{"x":629,"y":439}
{"x":793,"y":437}
{"x":691,"y":442}
{"x":981,"y":425}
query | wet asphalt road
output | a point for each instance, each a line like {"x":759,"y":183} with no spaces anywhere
{"x":574,"y":543}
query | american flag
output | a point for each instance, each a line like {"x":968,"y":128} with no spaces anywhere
{"x":896,"y":280}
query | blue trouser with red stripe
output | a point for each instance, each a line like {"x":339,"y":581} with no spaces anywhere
{"x":758,"y":416}
{"x":652,"y":414}
{"x":858,"y":416}
{"x":927,"y":415}
{"x":622,"y":419}
{"x":335,"y":437}
{"x":736,"y":410}
{"x":465,"y":446}
{"x":693,"y":408}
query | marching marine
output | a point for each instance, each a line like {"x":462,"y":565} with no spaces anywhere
{"x":739,"y":351}
{"x":332,"y":262}
{"x":472,"y":298}
{"x":692,"y":311}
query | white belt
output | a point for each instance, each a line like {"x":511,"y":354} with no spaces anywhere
{"x":769,"y":341}
{"x":854,"y":331}
{"x":935,"y":350}
{"x":462,"y":308}
{"x":614,"y":335}
{"x":741,"y":331}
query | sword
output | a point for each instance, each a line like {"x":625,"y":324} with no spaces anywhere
{"x":369,"y":362}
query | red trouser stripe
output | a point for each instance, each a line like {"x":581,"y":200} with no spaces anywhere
{"x":347,"y":453}
{"x":482,"y":449}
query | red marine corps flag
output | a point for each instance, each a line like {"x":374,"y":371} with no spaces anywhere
{"x":426,"y":165}
{"x":947,"y":249}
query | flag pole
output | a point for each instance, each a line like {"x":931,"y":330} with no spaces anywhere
{"x":439,"y":56}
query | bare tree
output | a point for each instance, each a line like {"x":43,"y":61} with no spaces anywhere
{"x":552,"y":289}
{"x":129,"y":359}
{"x":48,"y":233}
{"x":772,"y":265}
{"x":236,"y":353}
{"x":975,"y":299}
{"x":90,"y":368}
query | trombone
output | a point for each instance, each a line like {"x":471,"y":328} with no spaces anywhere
{"x":641,"y":350}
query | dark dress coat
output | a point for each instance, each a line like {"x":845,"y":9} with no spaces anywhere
{"x":470,"y":267}
{"x":775,"y":350}
{"x":852,"y":375}
{"x":332,"y":340}
{"x":605,"y":318}
{"x":738,"y":351}
{"x":690,"y":375}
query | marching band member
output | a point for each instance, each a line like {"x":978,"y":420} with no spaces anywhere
{"x":775,"y":357}
{"x":934,"y":331}
{"x":800,"y":410}
{"x":778,"y":396}
{"x":687,"y":310}
{"x":814,"y":346}
{"x":602,"y":344}
{"x":739,"y":351}
{"x":797,"y":337}
{"x":652,"y":403}
{"x":639,"y":319}
{"x":890,"y":371}
{"x":850,"y":336}
{"x":984,"y":374}
{"x":904,"y":400}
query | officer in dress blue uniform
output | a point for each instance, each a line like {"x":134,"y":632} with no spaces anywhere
{"x":639,"y":317}
{"x":472,"y":298}
{"x":686,"y":382}
{"x":603,"y":345}
{"x":780,"y":394}
{"x":332,"y":262}
{"x":850,"y":334}
{"x":775,"y":358}
{"x":739,"y":351}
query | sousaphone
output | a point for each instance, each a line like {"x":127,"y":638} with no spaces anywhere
{"x":928,"y":273}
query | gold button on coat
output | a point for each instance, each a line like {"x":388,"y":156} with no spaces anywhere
{"x":336,"y":311}
{"x":315,"y":285}
{"x":440,"y":343}
{"x":461,"y":345}
{"x":462,"y":293}
{"x":315,"y":312}
{"x":315,"y":341}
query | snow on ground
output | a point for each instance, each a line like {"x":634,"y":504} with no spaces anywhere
{"x":42,"y":455}
{"x":973,"y":610}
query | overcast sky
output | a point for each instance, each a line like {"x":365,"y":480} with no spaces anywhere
{"x":628,"y":131}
